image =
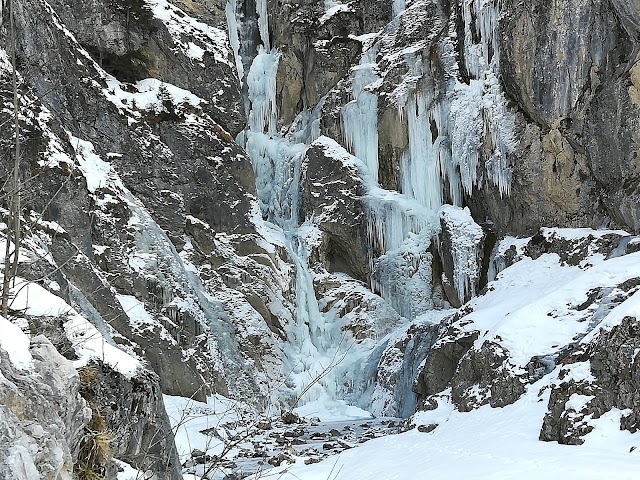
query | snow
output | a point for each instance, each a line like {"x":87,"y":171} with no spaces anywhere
{"x":127,"y":472}
{"x":533,"y":307}
{"x":151,"y":95}
{"x":89,"y":345}
{"x":577,"y":402}
{"x":189,"y":418}
{"x":486,"y":443}
{"x":184,"y":28}
{"x":580,"y":233}
{"x":135,"y":310}
{"x":95,"y":170}
{"x":16,"y":343}
{"x":628,"y":308}
{"x":327,"y":410}
{"x":333,"y":9}
{"x":87,"y":342}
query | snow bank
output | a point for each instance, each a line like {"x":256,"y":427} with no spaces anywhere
{"x":16,"y":343}
{"x":484,"y":444}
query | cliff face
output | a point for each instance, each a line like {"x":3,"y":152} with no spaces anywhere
{"x":246,"y":195}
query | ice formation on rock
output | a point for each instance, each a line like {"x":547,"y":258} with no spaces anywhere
{"x":360,"y":116}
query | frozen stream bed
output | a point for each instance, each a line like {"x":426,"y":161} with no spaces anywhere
{"x":222,"y":439}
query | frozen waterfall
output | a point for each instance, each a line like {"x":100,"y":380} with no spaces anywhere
{"x":459,"y":136}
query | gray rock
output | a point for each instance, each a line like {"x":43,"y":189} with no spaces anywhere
{"x":42,"y":416}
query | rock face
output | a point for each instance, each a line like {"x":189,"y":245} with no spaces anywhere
{"x":135,"y":415}
{"x":340,"y":216}
{"x":146,"y":175}
{"x":43,"y":415}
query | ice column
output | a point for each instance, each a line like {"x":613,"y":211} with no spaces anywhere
{"x":420,"y":173}
{"x":465,"y":239}
{"x":399,"y":232}
{"x":360,"y":116}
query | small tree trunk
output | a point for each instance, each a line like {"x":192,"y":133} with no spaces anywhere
{"x":13,"y":224}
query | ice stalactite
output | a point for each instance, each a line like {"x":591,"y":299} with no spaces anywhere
{"x":399,"y":225}
{"x":479,"y":113}
{"x":481,"y":38}
{"x":359,"y":117}
{"x":391,"y":218}
{"x":464,"y":239}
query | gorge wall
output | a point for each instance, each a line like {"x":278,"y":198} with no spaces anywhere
{"x":284,"y":202}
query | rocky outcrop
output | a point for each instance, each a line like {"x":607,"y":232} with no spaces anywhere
{"x":134,"y":417}
{"x":339,"y":215}
{"x":43,"y":415}
{"x":608,"y":384}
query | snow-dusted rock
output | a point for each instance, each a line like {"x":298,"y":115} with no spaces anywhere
{"x":42,"y":413}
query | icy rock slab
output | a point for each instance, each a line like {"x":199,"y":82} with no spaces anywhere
{"x":460,"y":244}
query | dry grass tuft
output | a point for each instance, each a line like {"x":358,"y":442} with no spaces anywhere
{"x":95,"y":452}
{"x":88,"y":375}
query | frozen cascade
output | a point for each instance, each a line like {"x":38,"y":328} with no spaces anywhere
{"x":359,"y":117}
{"x":399,"y":234}
{"x":156,"y":257}
{"x":314,"y":339}
{"x":446,"y":129}
{"x":479,"y":111}
{"x":397,"y":7}
{"x":427,"y":160}
{"x":261,"y":83}
{"x":421,"y":163}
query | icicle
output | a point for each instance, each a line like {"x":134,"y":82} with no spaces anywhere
{"x":478,"y":114}
{"x":263,"y":23}
{"x":230,"y":11}
{"x":359,"y":118}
